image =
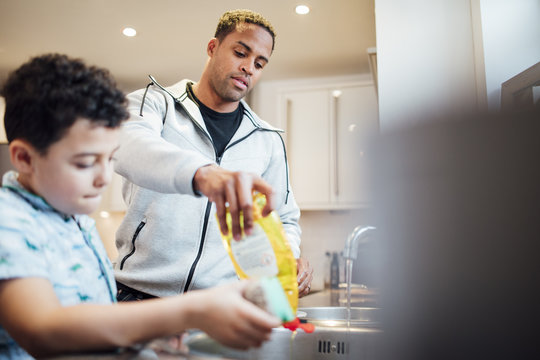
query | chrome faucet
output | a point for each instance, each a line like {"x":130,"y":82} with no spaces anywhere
{"x":360,"y":235}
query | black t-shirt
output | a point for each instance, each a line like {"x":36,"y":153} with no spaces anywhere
{"x":221,"y":126}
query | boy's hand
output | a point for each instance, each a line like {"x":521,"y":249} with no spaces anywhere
{"x":235,"y":189}
{"x":231,"y":319}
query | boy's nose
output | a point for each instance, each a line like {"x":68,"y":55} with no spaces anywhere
{"x":104,"y":175}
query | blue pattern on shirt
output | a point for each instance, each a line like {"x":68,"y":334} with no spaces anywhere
{"x":38,"y":241}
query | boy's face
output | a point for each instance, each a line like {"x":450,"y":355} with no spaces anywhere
{"x":73,"y":174}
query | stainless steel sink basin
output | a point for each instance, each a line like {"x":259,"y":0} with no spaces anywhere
{"x":331,"y":316}
{"x":332,"y":338}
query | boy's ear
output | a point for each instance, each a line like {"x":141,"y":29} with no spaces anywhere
{"x":22,"y":155}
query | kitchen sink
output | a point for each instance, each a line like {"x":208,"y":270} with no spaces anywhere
{"x":331,"y":315}
{"x":332,"y":338}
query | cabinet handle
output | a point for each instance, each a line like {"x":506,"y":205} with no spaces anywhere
{"x":336,"y":95}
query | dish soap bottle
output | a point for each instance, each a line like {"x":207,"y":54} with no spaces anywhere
{"x":265,"y":253}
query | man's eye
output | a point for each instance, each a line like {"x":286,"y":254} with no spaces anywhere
{"x":239,"y":54}
{"x":259,"y":65}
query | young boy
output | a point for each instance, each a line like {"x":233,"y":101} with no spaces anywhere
{"x":57,"y":290}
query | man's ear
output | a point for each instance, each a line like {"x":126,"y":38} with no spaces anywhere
{"x":22,"y":155}
{"x":212,"y":44}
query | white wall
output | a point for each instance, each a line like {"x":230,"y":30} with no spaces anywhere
{"x":511,"y":41}
{"x":439,"y":57}
{"x":426,"y":63}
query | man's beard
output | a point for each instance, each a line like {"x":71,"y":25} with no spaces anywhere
{"x":227,"y":92}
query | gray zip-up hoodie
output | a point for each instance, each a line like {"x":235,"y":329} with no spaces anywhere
{"x":169,"y":240}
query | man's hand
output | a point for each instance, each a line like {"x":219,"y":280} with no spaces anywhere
{"x":304,"y":273}
{"x":234,"y":188}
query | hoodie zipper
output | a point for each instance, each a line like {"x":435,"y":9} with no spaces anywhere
{"x":207,"y":212}
{"x":208,"y":202}
{"x":203,"y":238}
{"x":133,"y":239}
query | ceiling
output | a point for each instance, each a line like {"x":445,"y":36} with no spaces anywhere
{"x":172,"y":36}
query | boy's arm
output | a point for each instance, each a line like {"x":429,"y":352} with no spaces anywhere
{"x":33,"y":316}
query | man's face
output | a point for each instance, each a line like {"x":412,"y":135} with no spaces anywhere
{"x":73,"y":174}
{"x":236,"y":63}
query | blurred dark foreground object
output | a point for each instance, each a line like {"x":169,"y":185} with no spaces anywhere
{"x":457,"y":206}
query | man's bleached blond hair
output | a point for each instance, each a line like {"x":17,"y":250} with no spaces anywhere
{"x":231,"y":19}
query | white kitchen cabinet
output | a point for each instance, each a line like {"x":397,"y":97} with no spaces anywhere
{"x":328,"y":129}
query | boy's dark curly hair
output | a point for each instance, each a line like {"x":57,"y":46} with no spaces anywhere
{"x":46,"y":95}
{"x":230,"y":19}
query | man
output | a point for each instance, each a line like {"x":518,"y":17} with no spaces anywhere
{"x":201,"y":139}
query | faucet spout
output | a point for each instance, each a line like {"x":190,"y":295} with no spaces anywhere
{"x":360,"y":235}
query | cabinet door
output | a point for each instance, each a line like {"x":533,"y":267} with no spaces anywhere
{"x":308,"y":144}
{"x":355,"y":116}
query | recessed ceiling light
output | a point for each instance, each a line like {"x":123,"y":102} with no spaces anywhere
{"x":130,"y":32}
{"x":302,"y":9}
